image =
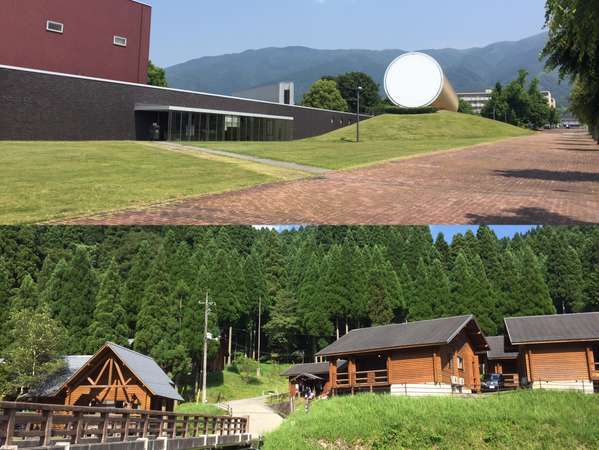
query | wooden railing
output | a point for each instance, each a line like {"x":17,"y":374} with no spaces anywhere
{"x":29,"y":425}
{"x":367,"y":378}
{"x":511,"y":381}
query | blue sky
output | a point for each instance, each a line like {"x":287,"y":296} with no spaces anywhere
{"x":186,"y":29}
{"x":500,"y":230}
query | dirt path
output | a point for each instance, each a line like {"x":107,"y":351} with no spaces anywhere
{"x":262,"y":419}
{"x":549,"y":178}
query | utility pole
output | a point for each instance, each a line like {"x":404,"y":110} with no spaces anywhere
{"x":229,"y":359}
{"x":259,"y":325}
{"x":358,"y":116}
{"x":205,"y":356}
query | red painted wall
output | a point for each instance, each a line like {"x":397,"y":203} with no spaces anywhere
{"x":86,"y":46}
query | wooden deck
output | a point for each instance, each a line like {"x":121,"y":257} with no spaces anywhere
{"x":37,"y":425}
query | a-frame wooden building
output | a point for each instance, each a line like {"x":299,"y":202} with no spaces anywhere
{"x":116,"y":377}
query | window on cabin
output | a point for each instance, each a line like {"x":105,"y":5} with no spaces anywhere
{"x":596,"y":357}
{"x":54,"y":27}
{"x":460,"y":362}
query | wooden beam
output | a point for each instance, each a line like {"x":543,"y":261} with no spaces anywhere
{"x":590,"y":362}
{"x":102,"y":371}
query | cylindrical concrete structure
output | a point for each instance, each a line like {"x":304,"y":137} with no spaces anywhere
{"x":416,"y":80}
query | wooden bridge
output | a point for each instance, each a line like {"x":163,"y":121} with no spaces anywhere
{"x":30,"y":425}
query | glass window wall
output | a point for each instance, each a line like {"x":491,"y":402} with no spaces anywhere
{"x":190,"y":126}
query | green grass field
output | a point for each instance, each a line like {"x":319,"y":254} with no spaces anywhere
{"x":199,"y":408}
{"x":383,"y":138}
{"x":229,"y":385}
{"x":42,"y":181}
{"x":523,"y":420}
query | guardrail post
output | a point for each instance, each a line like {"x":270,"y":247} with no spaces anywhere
{"x":47,"y":416}
{"x":10,"y":427}
{"x":196,"y":426}
{"x":126,"y":425}
{"x":76,"y":438}
{"x":105,"y":420}
{"x":174,"y":434}
{"x":146,"y":425}
{"x":185,"y":426}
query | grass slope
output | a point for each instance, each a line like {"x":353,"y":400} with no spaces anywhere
{"x":41,"y":181}
{"x":199,"y":408}
{"x":229,"y":385}
{"x":383,"y":138}
{"x":527,"y":420}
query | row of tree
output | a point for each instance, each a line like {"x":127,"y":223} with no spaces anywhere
{"x":573,"y":47}
{"x":340,"y":93}
{"x":67,"y":290}
{"x":521,"y":103}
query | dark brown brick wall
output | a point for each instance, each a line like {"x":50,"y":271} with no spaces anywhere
{"x":40,"y":106}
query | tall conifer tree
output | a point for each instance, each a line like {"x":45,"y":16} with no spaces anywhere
{"x":110,"y":318}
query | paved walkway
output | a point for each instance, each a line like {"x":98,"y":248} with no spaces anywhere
{"x":268,"y":162}
{"x":549,"y":178}
{"x":262,"y":419}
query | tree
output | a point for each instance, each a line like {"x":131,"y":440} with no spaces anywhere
{"x":134,"y":288}
{"x":439,"y":290}
{"x":420,"y":305}
{"x":465,"y":107}
{"x":26,"y":296}
{"x":110,"y":318}
{"x":539,"y":112}
{"x":37,"y":341}
{"x":564,"y":277}
{"x":463,"y":286}
{"x":283,"y":326}
{"x":156,"y":76}
{"x":76,"y":281}
{"x":533,"y":294}
{"x":497,"y":108}
{"x":324,"y":94}
{"x":573,"y":47}
{"x":4,"y":302}
{"x":348,"y":87}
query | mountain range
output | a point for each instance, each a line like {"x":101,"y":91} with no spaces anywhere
{"x":468,"y":70}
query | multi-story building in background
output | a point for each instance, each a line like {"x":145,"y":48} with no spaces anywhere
{"x":478,"y":100}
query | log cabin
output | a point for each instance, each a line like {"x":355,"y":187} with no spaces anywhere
{"x":433,"y":357}
{"x":557,"y":352}
{"x":114,"y":377}
{"x":498,"y":360}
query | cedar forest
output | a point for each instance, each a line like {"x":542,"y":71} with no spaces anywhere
{"x":70,"y":289}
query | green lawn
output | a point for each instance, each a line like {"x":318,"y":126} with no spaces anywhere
{"x":382,"y":138}
{"x":229,"y":385}
{"x":41,"y":181}
{"x":199,"y":408}
{"x":523,"y":420}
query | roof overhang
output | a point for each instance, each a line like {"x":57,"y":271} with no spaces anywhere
{"x":168,"y":108}
{"x":562,"y":341}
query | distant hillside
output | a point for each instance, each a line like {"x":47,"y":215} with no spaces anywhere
{"x":470,"y":69}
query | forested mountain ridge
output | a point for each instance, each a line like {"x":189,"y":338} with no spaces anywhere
{"x":146,"y":283}
{"x":469,"y":70}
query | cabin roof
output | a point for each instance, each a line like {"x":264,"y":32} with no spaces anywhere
{"x":50,"y":388}
{"x":143,"y":367}
{"x":555,"y":328}
{"x":497,"y":349}
{"x":310,"y":368}
{"x":413,"y":334}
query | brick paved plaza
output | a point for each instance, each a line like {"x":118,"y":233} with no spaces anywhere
{"x":549,"y":178}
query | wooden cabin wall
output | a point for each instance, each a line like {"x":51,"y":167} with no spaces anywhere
{"x":556,"y":362}
{"x":460,"y":346}
{"x":412,"y":366}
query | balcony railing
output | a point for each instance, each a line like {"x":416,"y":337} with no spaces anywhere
{"x":367,"y":378}
{"x":28,"y":424}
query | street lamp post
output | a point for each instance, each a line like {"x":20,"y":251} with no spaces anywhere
{"x":358,"y":116}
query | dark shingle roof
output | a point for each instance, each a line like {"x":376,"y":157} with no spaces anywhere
{"x":497,"y":349}
{"x":557,"y":328}
{"x":413,"y":334}
{"x":311,"y":369}
{"x":51,"y":387}
{"x":148,"y":372}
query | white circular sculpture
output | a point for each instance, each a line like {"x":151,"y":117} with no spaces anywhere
{"x":416,"y":80}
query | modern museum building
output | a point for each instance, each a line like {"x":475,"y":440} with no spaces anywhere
{"x":71,"y":71}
